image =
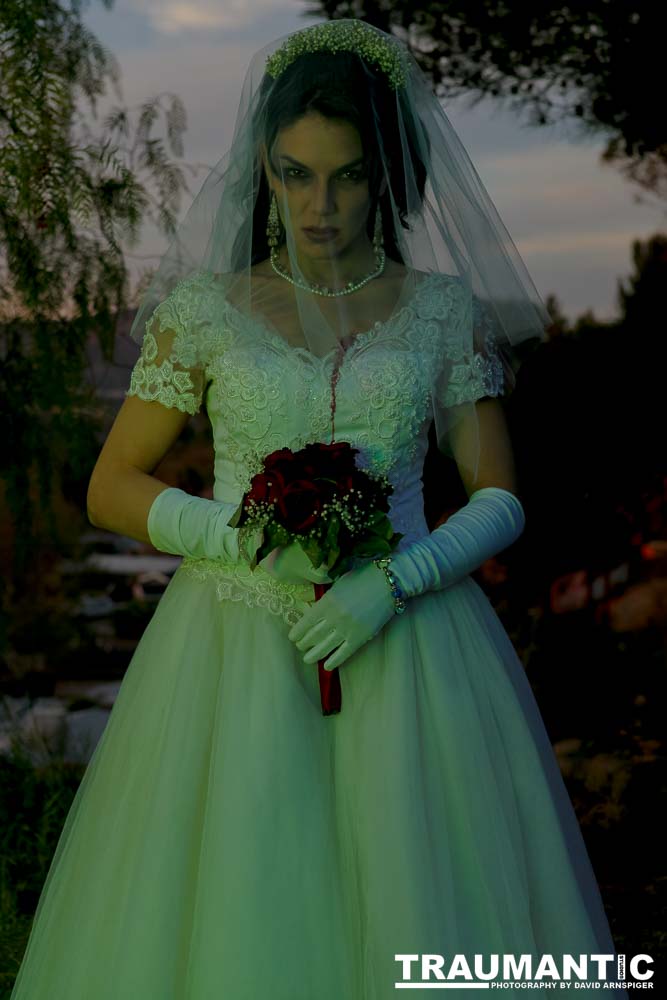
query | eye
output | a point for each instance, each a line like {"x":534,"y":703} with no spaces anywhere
{"x":291,"y":171}
{"x":353,"y":175}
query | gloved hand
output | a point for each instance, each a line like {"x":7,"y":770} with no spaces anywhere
{"x":185,"y":525}
{"x":360,"y":602}
{"x":290,"y":564}
{"x":492,"y":519}
{"x":352,"y":611}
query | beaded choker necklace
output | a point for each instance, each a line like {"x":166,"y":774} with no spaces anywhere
{"x":350,"y":287}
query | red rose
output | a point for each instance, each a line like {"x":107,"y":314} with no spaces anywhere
{"x":340,"y":452}
{"x":299,"y":484}
{"x":281,"y":462}
{"x":266,"y":487}
{"x":300,"y":505}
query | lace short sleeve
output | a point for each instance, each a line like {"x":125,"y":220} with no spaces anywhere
{"x":478,"y":368}
{"x":170,"y":368}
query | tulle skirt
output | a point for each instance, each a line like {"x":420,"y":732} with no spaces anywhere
{"x":229,"y":842}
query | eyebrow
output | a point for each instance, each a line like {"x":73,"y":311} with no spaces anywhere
{"x":353,"y":163}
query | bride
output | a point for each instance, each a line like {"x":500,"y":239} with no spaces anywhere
{"x":342,"y":276}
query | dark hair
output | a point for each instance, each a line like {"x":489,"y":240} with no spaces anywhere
{"x":340,"y":86}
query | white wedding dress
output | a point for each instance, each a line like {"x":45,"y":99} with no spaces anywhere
{"x":228,"y":841}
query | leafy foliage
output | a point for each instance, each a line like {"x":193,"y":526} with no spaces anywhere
{"x":596,"y":65}
{"x":69,"y":201}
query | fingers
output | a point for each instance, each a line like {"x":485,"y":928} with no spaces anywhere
{"x":321,"y":631}
{"x":321,"y":650}
{"x":342,"y":654}
{"x":300,"y":628}
{"x":314,"y":640}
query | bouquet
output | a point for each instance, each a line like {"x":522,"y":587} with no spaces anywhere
{"x":336,"y":511}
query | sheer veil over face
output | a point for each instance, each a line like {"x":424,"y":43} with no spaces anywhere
{"x":318,"y":172}
{"x":339,"y":131}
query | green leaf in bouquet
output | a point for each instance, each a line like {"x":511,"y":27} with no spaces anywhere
{"x":332,"y":558}
{"x":330,"y":539}
{"x":379,"y":523}
{"x":374,"y":546}
{"x":396,"y":537}
{"x":239,"y":517}
{"x":387,"y":530}
{"x":314,"y":550}
{"x":379,"y":526}
{"x":274,"y":536}
{"x":341,"y":566}
{"x":381,"y":541}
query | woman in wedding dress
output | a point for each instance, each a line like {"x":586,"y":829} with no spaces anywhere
{"x":342,"y":276}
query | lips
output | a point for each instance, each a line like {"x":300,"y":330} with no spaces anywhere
{"x":329,"y":231}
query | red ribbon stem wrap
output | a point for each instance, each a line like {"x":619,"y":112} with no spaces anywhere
{"x":330,"y":692}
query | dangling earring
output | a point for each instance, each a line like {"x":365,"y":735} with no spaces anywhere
{"x":377,"y":235}
{"x":273,"y":226}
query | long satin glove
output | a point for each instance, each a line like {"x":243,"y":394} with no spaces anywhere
{"x":186,"y":525}
{"x":359,"y":603}
{"x":492,"y":519}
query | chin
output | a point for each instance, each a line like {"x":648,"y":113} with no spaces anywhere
{"x":322,"y":251}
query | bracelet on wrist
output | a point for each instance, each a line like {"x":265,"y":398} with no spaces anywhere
{"x":384,"y":563}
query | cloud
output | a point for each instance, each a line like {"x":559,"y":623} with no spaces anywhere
{"x":612,"y":242}
{"x":207,"y":15}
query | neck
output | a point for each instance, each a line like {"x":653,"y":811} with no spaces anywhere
{"x":350,"y":265}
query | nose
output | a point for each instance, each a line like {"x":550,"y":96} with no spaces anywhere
{"x":323,"y":198}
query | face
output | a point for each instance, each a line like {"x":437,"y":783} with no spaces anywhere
{"x":325,"y":183}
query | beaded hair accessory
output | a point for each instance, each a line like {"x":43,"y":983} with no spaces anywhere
{"x":342,"y":36}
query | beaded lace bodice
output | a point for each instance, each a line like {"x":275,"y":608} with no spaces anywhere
{"x":262,"y":393}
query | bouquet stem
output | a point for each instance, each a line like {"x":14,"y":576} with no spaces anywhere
{"x":330,"y":692}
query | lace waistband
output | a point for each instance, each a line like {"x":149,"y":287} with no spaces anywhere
{"x":256,"y":588}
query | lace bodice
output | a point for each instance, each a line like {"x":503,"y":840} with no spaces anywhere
{"x":262,"y":393}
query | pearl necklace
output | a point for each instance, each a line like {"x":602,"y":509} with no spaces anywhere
{"x":350,"y":287}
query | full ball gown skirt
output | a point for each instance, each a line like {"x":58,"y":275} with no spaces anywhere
{"x":230,"y":842}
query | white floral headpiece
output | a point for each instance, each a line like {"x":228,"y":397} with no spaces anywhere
{"x":342,"y":36}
